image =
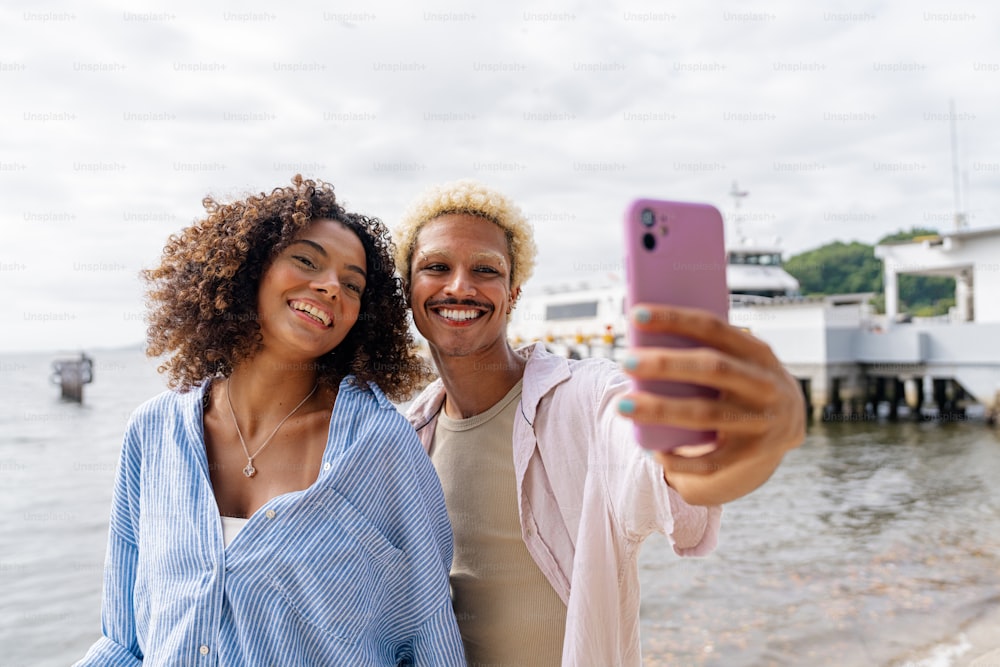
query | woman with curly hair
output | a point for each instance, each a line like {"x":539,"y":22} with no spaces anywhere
{"x":274,"y":507}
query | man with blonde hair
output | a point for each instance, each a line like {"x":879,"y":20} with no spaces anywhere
{"x":549,"y":495}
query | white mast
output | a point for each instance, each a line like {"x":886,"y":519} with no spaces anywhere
{"x":960,"y":221}
{"x":738,"y":196}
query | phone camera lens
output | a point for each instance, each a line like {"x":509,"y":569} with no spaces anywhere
{"x":648,"y":241}
{"x":648,"y":217}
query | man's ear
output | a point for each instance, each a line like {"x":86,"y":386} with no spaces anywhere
{"x":406,"y":292}
{"x":515,"y":294}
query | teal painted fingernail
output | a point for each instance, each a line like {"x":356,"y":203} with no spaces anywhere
{"x":626,"y":406}
{"x":642,"y":315}
{"x":630,"y":363}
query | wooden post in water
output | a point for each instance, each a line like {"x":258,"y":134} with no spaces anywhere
{"x":71,"y":375}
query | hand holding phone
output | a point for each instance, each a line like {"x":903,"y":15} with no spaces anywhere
{"x":674,"y":254}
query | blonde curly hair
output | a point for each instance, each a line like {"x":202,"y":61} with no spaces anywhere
{"x":472,"y":198}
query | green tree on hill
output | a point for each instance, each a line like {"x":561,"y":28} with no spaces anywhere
{"x":837,"y":268}
{"x":896,"y":237}
{"x":844,"y":268}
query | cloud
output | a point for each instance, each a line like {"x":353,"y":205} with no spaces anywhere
{"x":116,"y":122}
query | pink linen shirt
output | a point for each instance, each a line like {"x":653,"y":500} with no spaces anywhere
{"x":588,"y":496}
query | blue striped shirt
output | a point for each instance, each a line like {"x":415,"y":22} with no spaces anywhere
{"x":351,"y":571}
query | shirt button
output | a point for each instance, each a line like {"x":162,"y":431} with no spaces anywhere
{"x":269,"y":514}
{"x":327,"y":466}
{"x":203,"y":650}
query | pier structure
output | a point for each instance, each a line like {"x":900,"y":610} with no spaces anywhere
{"x":971,"y":257}
{"x":854,"y":367}
{"x":852,"y":362}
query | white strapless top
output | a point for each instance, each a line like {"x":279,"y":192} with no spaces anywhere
{"x":230,"y":527}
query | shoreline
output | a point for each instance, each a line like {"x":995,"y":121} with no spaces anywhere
{"x":984,"y":635}
{"x":977,"y":644}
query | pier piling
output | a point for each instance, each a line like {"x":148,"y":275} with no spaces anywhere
{"x":71,"y":375}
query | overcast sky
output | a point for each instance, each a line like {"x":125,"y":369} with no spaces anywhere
{"x":116,"y":121}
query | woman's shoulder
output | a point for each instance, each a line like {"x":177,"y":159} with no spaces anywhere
{"x":368,"y":392}
{"x":379,"y":409}
{"x":166,"y":404}
{"x":379,"y":431}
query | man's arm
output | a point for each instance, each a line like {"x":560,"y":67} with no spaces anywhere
{"x":759,"y":415}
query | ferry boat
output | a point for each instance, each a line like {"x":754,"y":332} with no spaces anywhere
{"x":589,"y":320}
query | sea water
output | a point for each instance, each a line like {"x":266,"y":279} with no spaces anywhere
{"x":874,"y":544}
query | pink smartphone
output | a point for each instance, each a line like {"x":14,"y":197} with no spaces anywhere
{"x":675,"y":253}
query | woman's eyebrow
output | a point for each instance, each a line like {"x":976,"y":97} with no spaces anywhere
{"x":317,"y":247}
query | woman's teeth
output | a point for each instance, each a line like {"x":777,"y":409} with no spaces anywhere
{"x":314,"y":312}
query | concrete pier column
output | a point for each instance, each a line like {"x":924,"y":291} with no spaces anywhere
{"x":895,"y":398}
{"x":891,"y":295}
{"x":963,"y":297}
{"x":880,"y":393}
{"x":918,"y":398}
{"x":913,"y":394}
{"x":807,"y":396}
{"x":819,"y":391}
{"x":870,"y":401}
{"x":941,"y":396}
{"x":853,"y":393}
{"x":958,"y":399}
{"x":834,"y":403}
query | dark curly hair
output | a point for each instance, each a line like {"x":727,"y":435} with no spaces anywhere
{"x":202,"y":298}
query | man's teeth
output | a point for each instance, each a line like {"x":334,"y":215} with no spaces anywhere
{"x":459,"y":315}
{"x":316,"y":313}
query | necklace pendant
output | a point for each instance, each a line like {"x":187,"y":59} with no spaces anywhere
{"x":249,"y":470}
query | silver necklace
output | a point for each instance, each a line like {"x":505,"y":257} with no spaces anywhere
{"x":250,"y":471}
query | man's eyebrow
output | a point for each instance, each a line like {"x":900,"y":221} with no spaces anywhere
{"x":432,"y":251}
{"x":479,"y":256}
{"x":321,"y":250}
{"x":498,"y":256}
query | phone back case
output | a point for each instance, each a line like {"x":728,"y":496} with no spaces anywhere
{"x":674,"y":254}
